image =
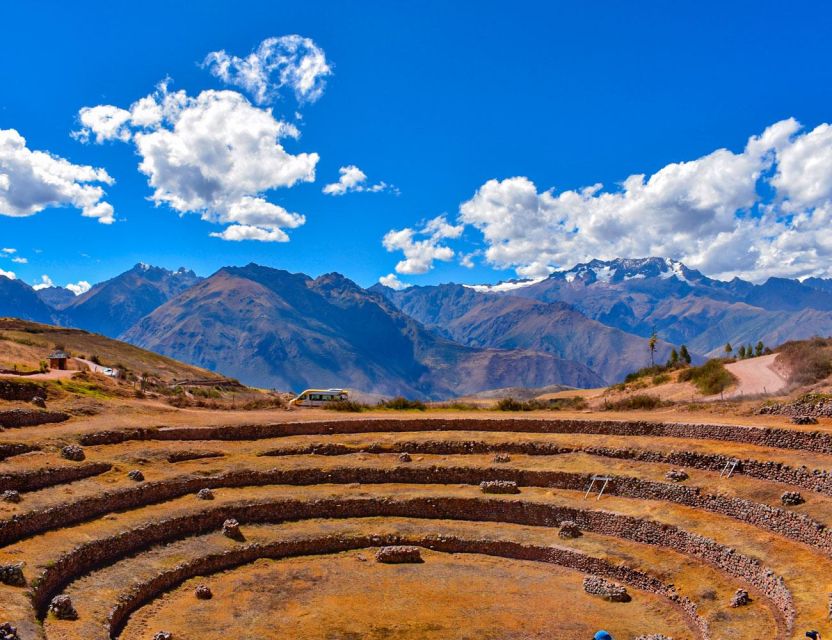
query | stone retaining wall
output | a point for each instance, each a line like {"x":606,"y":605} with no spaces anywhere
{"x":21,"y":391}
{"x":140,"y":595}
{"x":10,"y":449}
{"x":33,"y":479}
{"x":14,"y":418}
{"x":105,"y":551}
{"x":817,"y":441}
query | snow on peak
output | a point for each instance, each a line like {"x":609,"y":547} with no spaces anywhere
{"x":506,"y":285}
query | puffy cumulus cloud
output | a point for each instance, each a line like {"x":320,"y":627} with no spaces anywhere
{"x":214,"y":154}
{"x":82,"y":286}
{"x":292,"y":62}
{"x":391,"y":280}
{"x":8,"y":274}
{"x":353,"y":179}
{"x":45,"y":283}
{"x":715,"y":213}
{"x":20,"y":260}
{"x":423,"y":246}
{"x":8,"y":250}
{"x":31,"y":181}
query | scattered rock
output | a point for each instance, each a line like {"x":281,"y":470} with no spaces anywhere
{"x":136,"y":475}
{"x":792,"y":498}
{"x":569,"y":529}
{"x":499,"y":486}
{"x":10,"y":495}
{"x":12,"y":574}
{"x":39,"y":402}
{"x":741,"y":598}
{"x":654,"y":636}
{"x":203,"y":592}
{"x":677,"y":475}
{"x":8,"y":632}
{"x":804,"y":420}
{"x":163,"y":635}
{"x":610,"y":591}
{"x":399,"y":555}
{"x":62,"y":607}
{"x":502,"y":457}
{"x":231,"y":529}
{"x":205,"y":494}
{"x":73,"y":452}
{"x":404,"y":456}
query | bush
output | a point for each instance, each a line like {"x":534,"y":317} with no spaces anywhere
{"x":809,"y":361}
{"x":553,"y":404}
{"x":349,"y":406}
{"x":637,"y":402}
{"x":661,"y":379}
{"x":400,"y":403}
{"x":711,"y":378}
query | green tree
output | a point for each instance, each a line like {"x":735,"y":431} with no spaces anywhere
{"x":674,"y":358}
{"x":749,"y":351}
{"x":741,"y":352}
{"x":758,"y":350}
{"x":728,"y":349}
{"x":684,"y":354}
{"x":652,"y":344}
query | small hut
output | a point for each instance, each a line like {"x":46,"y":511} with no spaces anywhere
{"x":57,"y":359}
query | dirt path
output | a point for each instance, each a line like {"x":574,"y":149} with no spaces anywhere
{"x":756,"y":376}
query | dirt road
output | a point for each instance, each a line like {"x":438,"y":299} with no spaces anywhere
{"x":756,"y":376}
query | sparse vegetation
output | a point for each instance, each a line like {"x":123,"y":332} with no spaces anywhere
{"x":809,"y":361}
{"x":553,"y":404}
{"x":711,"y":378}
{"x":400,"y":403}
{"x":348,"y":406}
{"x":641,"y":401}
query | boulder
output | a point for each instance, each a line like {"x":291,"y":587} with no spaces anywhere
{"x":205,"y":494}
{"x":499,"y":486}
{"x":569,"y":529}
{"x":677,"y":475}
{"x":804,"y":420}
{"x":741,"y":598}
{"x":136,"y":475}
{"x":404,"y":456}
{"x":203,"y":592}
{"x":792,"y":498}
{"x":610,"y":591}
{"x":10,"y":495}
{"x":73,"y":452}
{"x":62,"y":607}
{"x":399,"y":555}
{"x":163,"y":635}
{"x":8,"y":632}
{"x":12,"y":574}
{"x":502,"y":457}
{"x":231,"y":529}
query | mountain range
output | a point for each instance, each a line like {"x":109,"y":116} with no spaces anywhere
{"x":586,"y":326}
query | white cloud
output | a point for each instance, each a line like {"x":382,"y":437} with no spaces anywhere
{"x":713,"y":213}
{"x":423,"y":246}
{"x":20,"y":260}
{"x":45,"y":283}
{"x":82,"y":286}
{"x":392,"y":281}
{"x":353,"y":179}
{"x":291,"y":61}
{"x":31,"y":181}
{"x":8,"y":274}
{"x":214,"y":154}
{"x":8,"y":250}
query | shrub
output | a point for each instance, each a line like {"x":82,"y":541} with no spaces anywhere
{"x":349,"y":406}
{"x":637,"y":402}
{"x":711,"y":378}
{"x":400,"y":403}
{"x":661,"y":379}
{"x":510,"y":404}
{"x":809,"y":361}
{"x":553,"y":404}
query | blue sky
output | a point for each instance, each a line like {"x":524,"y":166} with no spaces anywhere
{"x":438,"y":99}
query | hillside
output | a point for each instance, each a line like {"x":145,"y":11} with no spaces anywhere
{"x":25,"y":345}
{"x":509,"y":322}
{"x":272,"y":328}
{"x":113,"y":306}
{"x":19,"y":300}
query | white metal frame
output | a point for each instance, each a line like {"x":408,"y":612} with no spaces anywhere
{"x":605,"y":479}
{"x":729,"y":468}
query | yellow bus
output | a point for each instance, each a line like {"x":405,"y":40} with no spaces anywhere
{"x":319,"y":397}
